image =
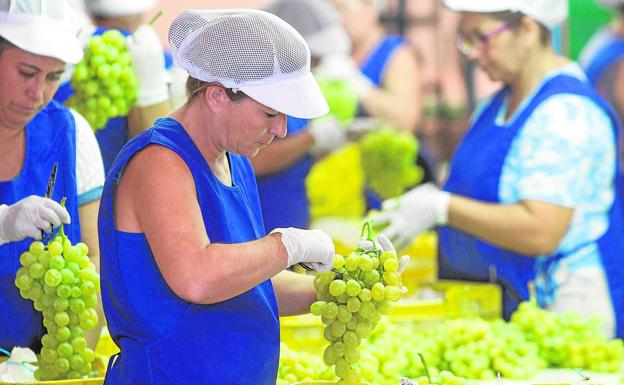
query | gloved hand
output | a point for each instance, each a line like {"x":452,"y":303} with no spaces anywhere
{"x":414,"y":212}
{"x":342,"y":68}
{"x":385,"y":245}
{"x":313,"y":247}
{"x":328,"y":135}
{"x":149,"y":65}
{"x":27,"y":217}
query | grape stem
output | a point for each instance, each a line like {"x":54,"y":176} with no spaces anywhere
{"x":62,"y":228}
{"x":422,"y":359}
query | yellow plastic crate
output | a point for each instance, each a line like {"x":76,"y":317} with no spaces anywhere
{"x":303,"y":332}
{"x":468,"y":299}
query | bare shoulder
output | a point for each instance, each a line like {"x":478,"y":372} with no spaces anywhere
{"x":155,"y":177}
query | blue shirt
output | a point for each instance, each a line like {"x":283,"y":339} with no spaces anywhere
{"x":564,"y":155}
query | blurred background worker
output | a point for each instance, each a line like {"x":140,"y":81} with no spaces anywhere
{"x":534,"y":189}
{"x":282,"y":166}
{"x":187,"y":267}
{"x":150,"y":65}
{"x":37,"y":41}
{"x":603,"y":58}
{"x":382,"y":70}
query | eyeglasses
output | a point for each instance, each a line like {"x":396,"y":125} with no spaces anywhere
{"x":468,"y":45}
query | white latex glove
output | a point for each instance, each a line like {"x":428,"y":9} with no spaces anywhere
{"x":312,"y":247}
{"x":328,"y":135}
{"x":343,"y":68}
{"x":18,"y":367}
{"x":149,"y":65}
{"x":418,"y":210}
{"x":27,"y":217}
{"x":385,"y":245}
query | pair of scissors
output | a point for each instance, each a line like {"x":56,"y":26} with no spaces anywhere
{"x":51,"y":181}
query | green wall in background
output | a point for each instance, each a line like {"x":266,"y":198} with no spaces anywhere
{"x":585,"y":17}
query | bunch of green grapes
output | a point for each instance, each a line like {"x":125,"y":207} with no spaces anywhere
{"x":62,"y":283}
{"x":104,"y":81}
{"x":389,"y":161}
{"x":341,"y":99}
{"x":568,"y":340}
{"x":351,"y":299}
{"x":340,"y":168}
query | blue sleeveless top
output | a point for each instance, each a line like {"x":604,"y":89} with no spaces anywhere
{"x":283,"y":195}
{"x":50,"y":138}
{"x":475,"y":173}
{"x":163,"y":338}
{"x":114,"y":134}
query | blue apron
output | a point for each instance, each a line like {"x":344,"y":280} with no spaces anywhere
{"x":163,"y":338}
{"x":283,"y":195}
{"x":604,"y":58}
{"x":475,"y":172}
{"x":50,"y":138}
{"x":114,"y":134}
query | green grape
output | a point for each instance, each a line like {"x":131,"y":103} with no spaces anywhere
{"x":389,"y":161}
{"x":106,"y":72}
{"x":61,"y":364}
{"x":57,"y":262}
{"x":61,"y":304}
{"x":338,"y":262}
{"x":337,"y":288}
{"x":53,"y":277}
{"x":36,"y":270}
{"x":79,"y":344}
{"x":27,"y":259}
{"x":63,"y":333}
{"x":316,"y":308}
{"x":353,"y":288}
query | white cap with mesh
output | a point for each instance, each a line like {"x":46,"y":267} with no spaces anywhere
{"x":548,"y":12}
{"x":111,"y":8}
{"x":41,"y":27}
{"x":252,"y":51}
{"x":317,"y":21}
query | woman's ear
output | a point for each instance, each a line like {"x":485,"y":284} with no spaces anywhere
{"x":215,"y":96}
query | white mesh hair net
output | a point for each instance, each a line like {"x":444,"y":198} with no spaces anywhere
{"x":42,"y":27}
{"x":252,"y":51}
{"x":235,"y":47}
{"x":317,"y":21}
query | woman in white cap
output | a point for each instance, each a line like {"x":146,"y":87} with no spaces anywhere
{"x":534,"y":190}
{"x":282,"y":166}
{"x":151,"y":64}
{"x":36,"y":44}
{"x":190,"y":283}
{"x":603,"y":58}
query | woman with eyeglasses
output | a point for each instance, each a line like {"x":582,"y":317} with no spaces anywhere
{"x":534,"y":188}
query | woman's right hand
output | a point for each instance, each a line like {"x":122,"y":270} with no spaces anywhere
{"x":28,"y":217}
{"x":313,"y":247}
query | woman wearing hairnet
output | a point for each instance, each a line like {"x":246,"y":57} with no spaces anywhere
{"x":534,"y":190}
{"x":603,"y":58}
{"x":282,"y":166}
{"x":190,"y":283}
{"x":36,"y":43}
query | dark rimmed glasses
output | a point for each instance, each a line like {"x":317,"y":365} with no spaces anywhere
{"x":469,"y":45}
